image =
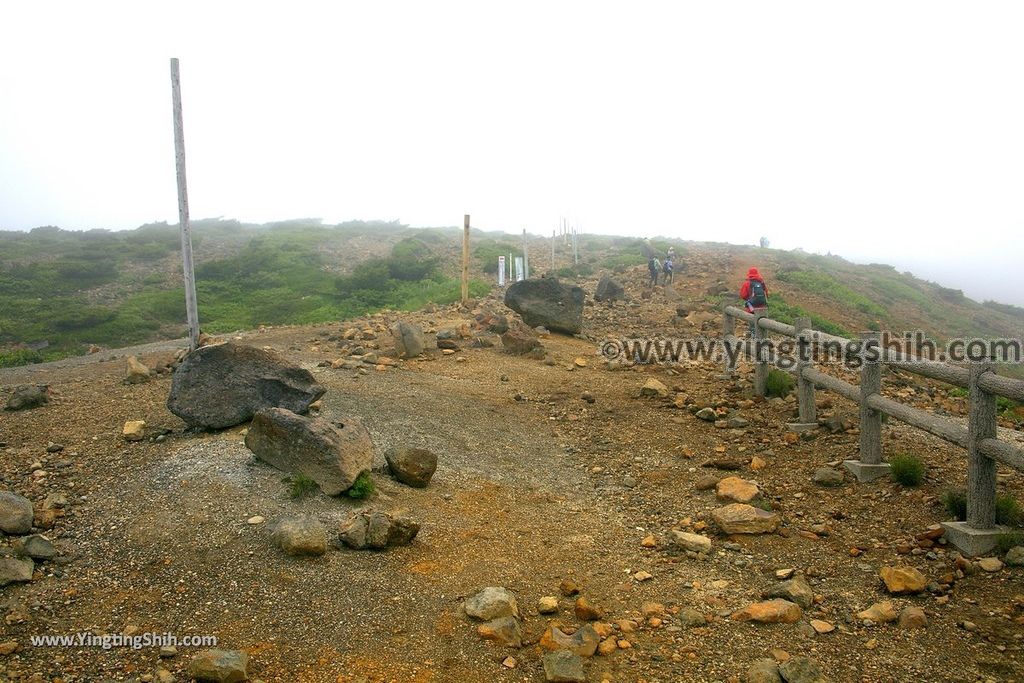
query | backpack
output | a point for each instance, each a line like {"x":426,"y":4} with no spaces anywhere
{"x":757,"y":294}
{"x":668,"y":266}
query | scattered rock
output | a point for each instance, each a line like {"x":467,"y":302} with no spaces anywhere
{"x":520,"y":339}
{"x":219,"y":666}
{"x":492,"y":603}
{"x":903,"y":580}
{"x":707,"y":414}
{"x":737,"y":489}
{"x":333,"y":454}
{"x":562,"y":666}
{"x":303,"y":535}
{"x":913,"y":617}
{"x":408,"y":338}
{"x":583,"y":642}
{"x":135,"y":372}
{"x":801,"y":670}
{"x":764,"y":671}
{"x":28,"y":396}
{"x":547,"y":302}
{"x":8,"y":647}
{"x":15,"y":513}
{"x":505,"y":631}
{"x":547,"y":605}
{"x":15,"y":569}
{"x":609,"y":290}
{"x":776,"y":611}
{"x":227,"y":384}
{"x":411,"y":466}
{"x":585,"y":611}
{"x":568,"y":588}
{"x":134,"y":430}
{"x":691,"y":618}
{"x":879,"y":613}
{"x":377,"y":530}
{"x":35,"y":546}
{"x":827,"y":476}
{"x":822,"y":627}
{"x":990,"y":564}
{"x":795,"y":590}
{"x":707,"y":482}
{"x":1015,"y":556}
{"x":654,"y":389}
{"x":739,"y":518}
{"x":692,"y":542}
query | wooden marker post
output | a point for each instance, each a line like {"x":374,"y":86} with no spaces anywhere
{"x":465,"y":259}
{"x":191,"y":310}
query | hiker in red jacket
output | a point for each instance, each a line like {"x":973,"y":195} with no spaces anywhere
{"x":754,"y":293}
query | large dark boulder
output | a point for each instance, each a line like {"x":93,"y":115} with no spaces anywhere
{"x":547,"y":302}
{"x":609,"y":290}
{"x":27,"y":396}
{"x":225,"y":385}
{"x":333,"y":454}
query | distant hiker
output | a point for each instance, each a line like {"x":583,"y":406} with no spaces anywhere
{"x":667,"y":268}
{"x":671,"y":253}
{"x":754,"y":293}
{"x":655,"y":269}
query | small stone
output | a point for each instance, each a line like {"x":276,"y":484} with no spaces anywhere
{"x":411,"y":466}
{"x":8,"y":647}
{"x":15,"y":569}
{"x":707,"y":482}
{"x":795,"y":590}
{"x":492,"y":603}
{"x":913,"y":617}
{"x":801,"y":670}
{"x":15,"y":513}
{"x":827,"y":476}
{"x":783,"y":574}
{"x":764,"y":671}
{"x":822,"y":627}
{"x":35,"y":546}
{"x":135,"y":372}
{"x":691,"y":618}
{"x":1015,"y":556}
{"x":879,"y":613}
{"x":740,"y":518}
{"x":569,"y":588}
{"x":583,"y":642}
{"x":654,"y":389}
{"x":509,"y":662}
{"x":707,"y":414}
{"x":757,"y":463}
{"x":585,"y":611}
{"x":503,"y":630}
{"x":691,"y":542}
{"x":769,"y":612}
{"x":257,"y":519}
{"x":990,"y":564}
{"x":643,"y":576}
{"x":580,"y":362}
{"x":28,"y":396}
{"x":547,"y":605}
{"x":562,"y":666}
{"x":607,"y":646}
{"x":168,"y":651}
{"x":220,"y":666}
{"x":649,"y":542}
{"x":588,"y":397}
{"x":903,"y":580}
{"x":134,"y":430}
{"x":737,"y":490}
{"x":300,"y":536}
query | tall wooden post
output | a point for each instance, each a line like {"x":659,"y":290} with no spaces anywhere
{"x":526,"y":256}
{"x":760,"y":363}
{"x":191,"y":309}
{"x":465,"y":259}
{"x":981,"y":470}
{"x":805,"y":387}
{"x":729,"y":339}
{"x":870,"y":465}
{"x":552,"y":251}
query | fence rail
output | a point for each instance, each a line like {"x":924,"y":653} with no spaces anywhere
{"x":979,"y":533}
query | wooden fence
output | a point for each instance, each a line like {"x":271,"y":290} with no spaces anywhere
{"x":979,"y":533}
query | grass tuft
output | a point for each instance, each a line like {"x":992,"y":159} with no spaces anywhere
{"x":363,"y":487}
{"x":906,"y":469}
{"x":779,"y":383}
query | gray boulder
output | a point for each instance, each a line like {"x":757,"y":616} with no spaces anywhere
{"x":562,"y":666}
{"x":376,"y":530}
{"x":333,"y":454}
{"x":795,"y":590}
{"x":35,"y":546}
{"x":547,"y":302}
{"x":1015,"y":556}
{"x":15,"y":513}
{"x":303,"y":535}
{"x":26,"y":396}
{"x":492,"y":603}
{"x":801,"y":670}
{"x":828,"y":476}
{"x":609,"y":290}
{"x":15,"y":569}
{"x":226,"y":384}
{"x":220,"y":666}
{"x":764,"y":671}
{"x":408,"y":339}
{"x":411,"y":466}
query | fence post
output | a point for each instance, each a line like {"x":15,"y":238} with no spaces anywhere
{"x":729,"y":343}
{"x":978,"y":535}
{"x":760,"y":365}
{"x":191,"y":306}
{"x":870,"y":466}
{"x":465,"y":259}
{"x":808,"y":418}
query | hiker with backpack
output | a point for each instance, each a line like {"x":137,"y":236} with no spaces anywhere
{"x":655,"y":268}
{"x":667,"y":268}
{"x":754,"y":293}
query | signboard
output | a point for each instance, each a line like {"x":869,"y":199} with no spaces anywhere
{"x":501,"y":271}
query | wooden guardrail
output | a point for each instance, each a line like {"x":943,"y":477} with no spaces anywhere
{"x":976,"y":535}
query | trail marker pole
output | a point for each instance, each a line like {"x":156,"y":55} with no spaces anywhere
{"x":526,"y":256}
{"x":191,"y":309}
{"x":465,"y":259}
{"x":552,"y":251}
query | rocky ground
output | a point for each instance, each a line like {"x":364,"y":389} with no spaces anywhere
{"x":555,"y":475}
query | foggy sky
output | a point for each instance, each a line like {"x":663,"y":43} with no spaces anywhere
{"x":878,"y":131}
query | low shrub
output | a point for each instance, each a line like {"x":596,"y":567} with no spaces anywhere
{"x":779,"y":383}
{"x":362,"y":488}
{"x":906,"y":469}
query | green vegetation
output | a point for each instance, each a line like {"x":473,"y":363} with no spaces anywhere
{"x":906,"y":469}
{"x":300,"y":486}
{"x":1008,"y":510}
{"x":783,"y":311}
{"x":363,"y":487}
{"x":279,"y":274}
{"x":826,"y":285}
{"x":779,"y":383}
{"x":1005,"y":542}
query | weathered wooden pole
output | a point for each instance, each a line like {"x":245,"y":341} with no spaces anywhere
{"x":805,"y":387}
{"x":729,"y":340}
{"x":552,"y":251}
{"x":465,"y":259}
{"x":526,"y":256}
{"x":981,"y":470}
{"x":760,"y":363}
{"x":191,"y":309}
{"x":870,"y":466}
